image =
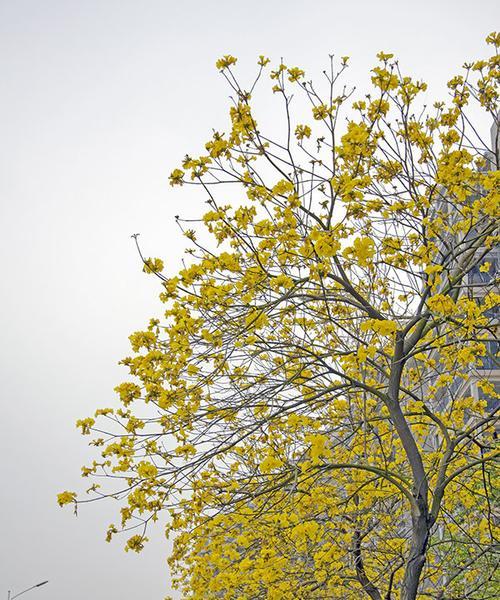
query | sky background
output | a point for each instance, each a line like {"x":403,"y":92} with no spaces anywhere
{"x":100,"y":100}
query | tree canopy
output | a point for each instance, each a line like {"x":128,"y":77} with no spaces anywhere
{"x":314,"y":415}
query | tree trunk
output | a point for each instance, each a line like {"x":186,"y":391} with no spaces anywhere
{"x":418,"y":548}
{"x":420,"y":492}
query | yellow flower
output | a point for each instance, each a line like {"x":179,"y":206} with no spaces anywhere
{"x":364,"y":249}
{"x":136,"y":543}
{"x":321,"y":112}
{"x":176,"y":177}
{"x":493,"y":39}
{"x":85,"y":425}
{"x":325,"y":243}
{"x":153,"y":265}
{"x":302,"y":131}
{"x":294,"y":74}
{"x":66,"y":498}
{"x":256,"y":319}
{"x":381,"y":326}
{"x":384,"y":56}
{"x":441,"y":304}
{"x":384,"y":79}
{"x":225,"y":62}
{"x":318,"y":446}
{"x":128,"y":392}
{"x":270,"y":463}
{"x":146,"y":470}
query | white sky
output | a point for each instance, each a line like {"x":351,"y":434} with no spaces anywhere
{"x":100,"y":100}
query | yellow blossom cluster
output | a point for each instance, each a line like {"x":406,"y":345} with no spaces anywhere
{"x":295,"y":412}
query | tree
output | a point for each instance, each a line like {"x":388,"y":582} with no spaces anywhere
{"x":315,"y":415}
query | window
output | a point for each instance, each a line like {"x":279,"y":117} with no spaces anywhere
{"x":492,"y":403}
{"x":478,"y":277}
{"x":490,"y":361}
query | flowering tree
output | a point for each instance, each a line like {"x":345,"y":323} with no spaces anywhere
{"x":315,"y":414}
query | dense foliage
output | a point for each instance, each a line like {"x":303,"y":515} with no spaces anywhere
{"x":299,"y":415}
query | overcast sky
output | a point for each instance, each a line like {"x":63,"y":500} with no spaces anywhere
{"x":99,"y":101}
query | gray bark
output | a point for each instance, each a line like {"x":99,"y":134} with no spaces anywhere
{"x":420,"y":491}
